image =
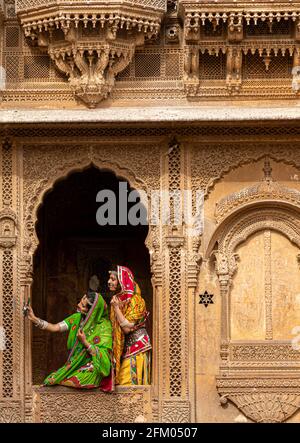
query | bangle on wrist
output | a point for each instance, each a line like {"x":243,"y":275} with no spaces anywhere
{"x":41,"y":324}
{"x":125,"y":323}
{"x":91,"y":350}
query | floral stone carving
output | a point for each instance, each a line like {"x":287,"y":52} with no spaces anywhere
{"x":91,"y":43}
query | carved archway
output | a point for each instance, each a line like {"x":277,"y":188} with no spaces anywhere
{"x":31,"y":241}
{"x":60,"y":173}
{"x":271,"y":359}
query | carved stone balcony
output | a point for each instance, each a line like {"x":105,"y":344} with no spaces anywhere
{"x":236,"y":31}
{"x":234,"y":13}
{"x":90,"y":41}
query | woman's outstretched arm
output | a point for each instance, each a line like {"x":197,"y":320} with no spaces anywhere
{"x":42,"y":324}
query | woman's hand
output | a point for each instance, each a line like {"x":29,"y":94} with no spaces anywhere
{"x":82,"y":337}
{"x":30,"y":314}
{"x":115,"y":302}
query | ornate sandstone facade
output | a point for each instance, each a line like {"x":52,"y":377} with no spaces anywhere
{"x":189,"y":96}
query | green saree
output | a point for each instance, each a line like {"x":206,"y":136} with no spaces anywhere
{"x":87,"y":369}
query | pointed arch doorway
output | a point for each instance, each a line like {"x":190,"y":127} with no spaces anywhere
{"x":72,"y":247}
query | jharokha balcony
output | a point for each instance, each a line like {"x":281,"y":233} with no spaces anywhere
{"x":90,"y":41}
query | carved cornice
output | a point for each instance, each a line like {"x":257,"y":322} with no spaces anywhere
{"x":42,"y":15}
{"x":90,"y":42}
{"x":227,"y":11}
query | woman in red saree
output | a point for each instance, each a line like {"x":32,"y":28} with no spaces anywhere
{"x":131,"y":342}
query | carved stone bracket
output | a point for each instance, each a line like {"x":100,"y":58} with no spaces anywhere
{"x":92,"y":66}
{"x":226,"y":267}
{"x":263,"y":399}
{"x":91,"y":44}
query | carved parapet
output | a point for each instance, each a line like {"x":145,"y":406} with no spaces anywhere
{"x":126,"y":404}
{"x":91,"y":42}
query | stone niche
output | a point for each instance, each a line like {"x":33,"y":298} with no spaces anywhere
{"x":251,"y":265}
{"x":90,"y":42}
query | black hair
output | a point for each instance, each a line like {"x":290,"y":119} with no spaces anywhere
{"x":91,"y":295}
{"x":113,"y":268}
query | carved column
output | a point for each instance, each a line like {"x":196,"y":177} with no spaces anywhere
{"x":10,"y":407}
{"x":175,"y":405}
{"x":156,"y":261}
{"x":26,"y":283}
{"x":225,"y":268}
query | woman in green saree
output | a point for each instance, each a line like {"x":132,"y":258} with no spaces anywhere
{"x":90,"y":344}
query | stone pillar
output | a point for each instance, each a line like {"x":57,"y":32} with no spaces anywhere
{"x":10,"y":383}
{"x":175,"y":402}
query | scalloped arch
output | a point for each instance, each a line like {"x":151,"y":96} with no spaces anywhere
{"x":62,"y":173}
{"x":236,"y":228}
